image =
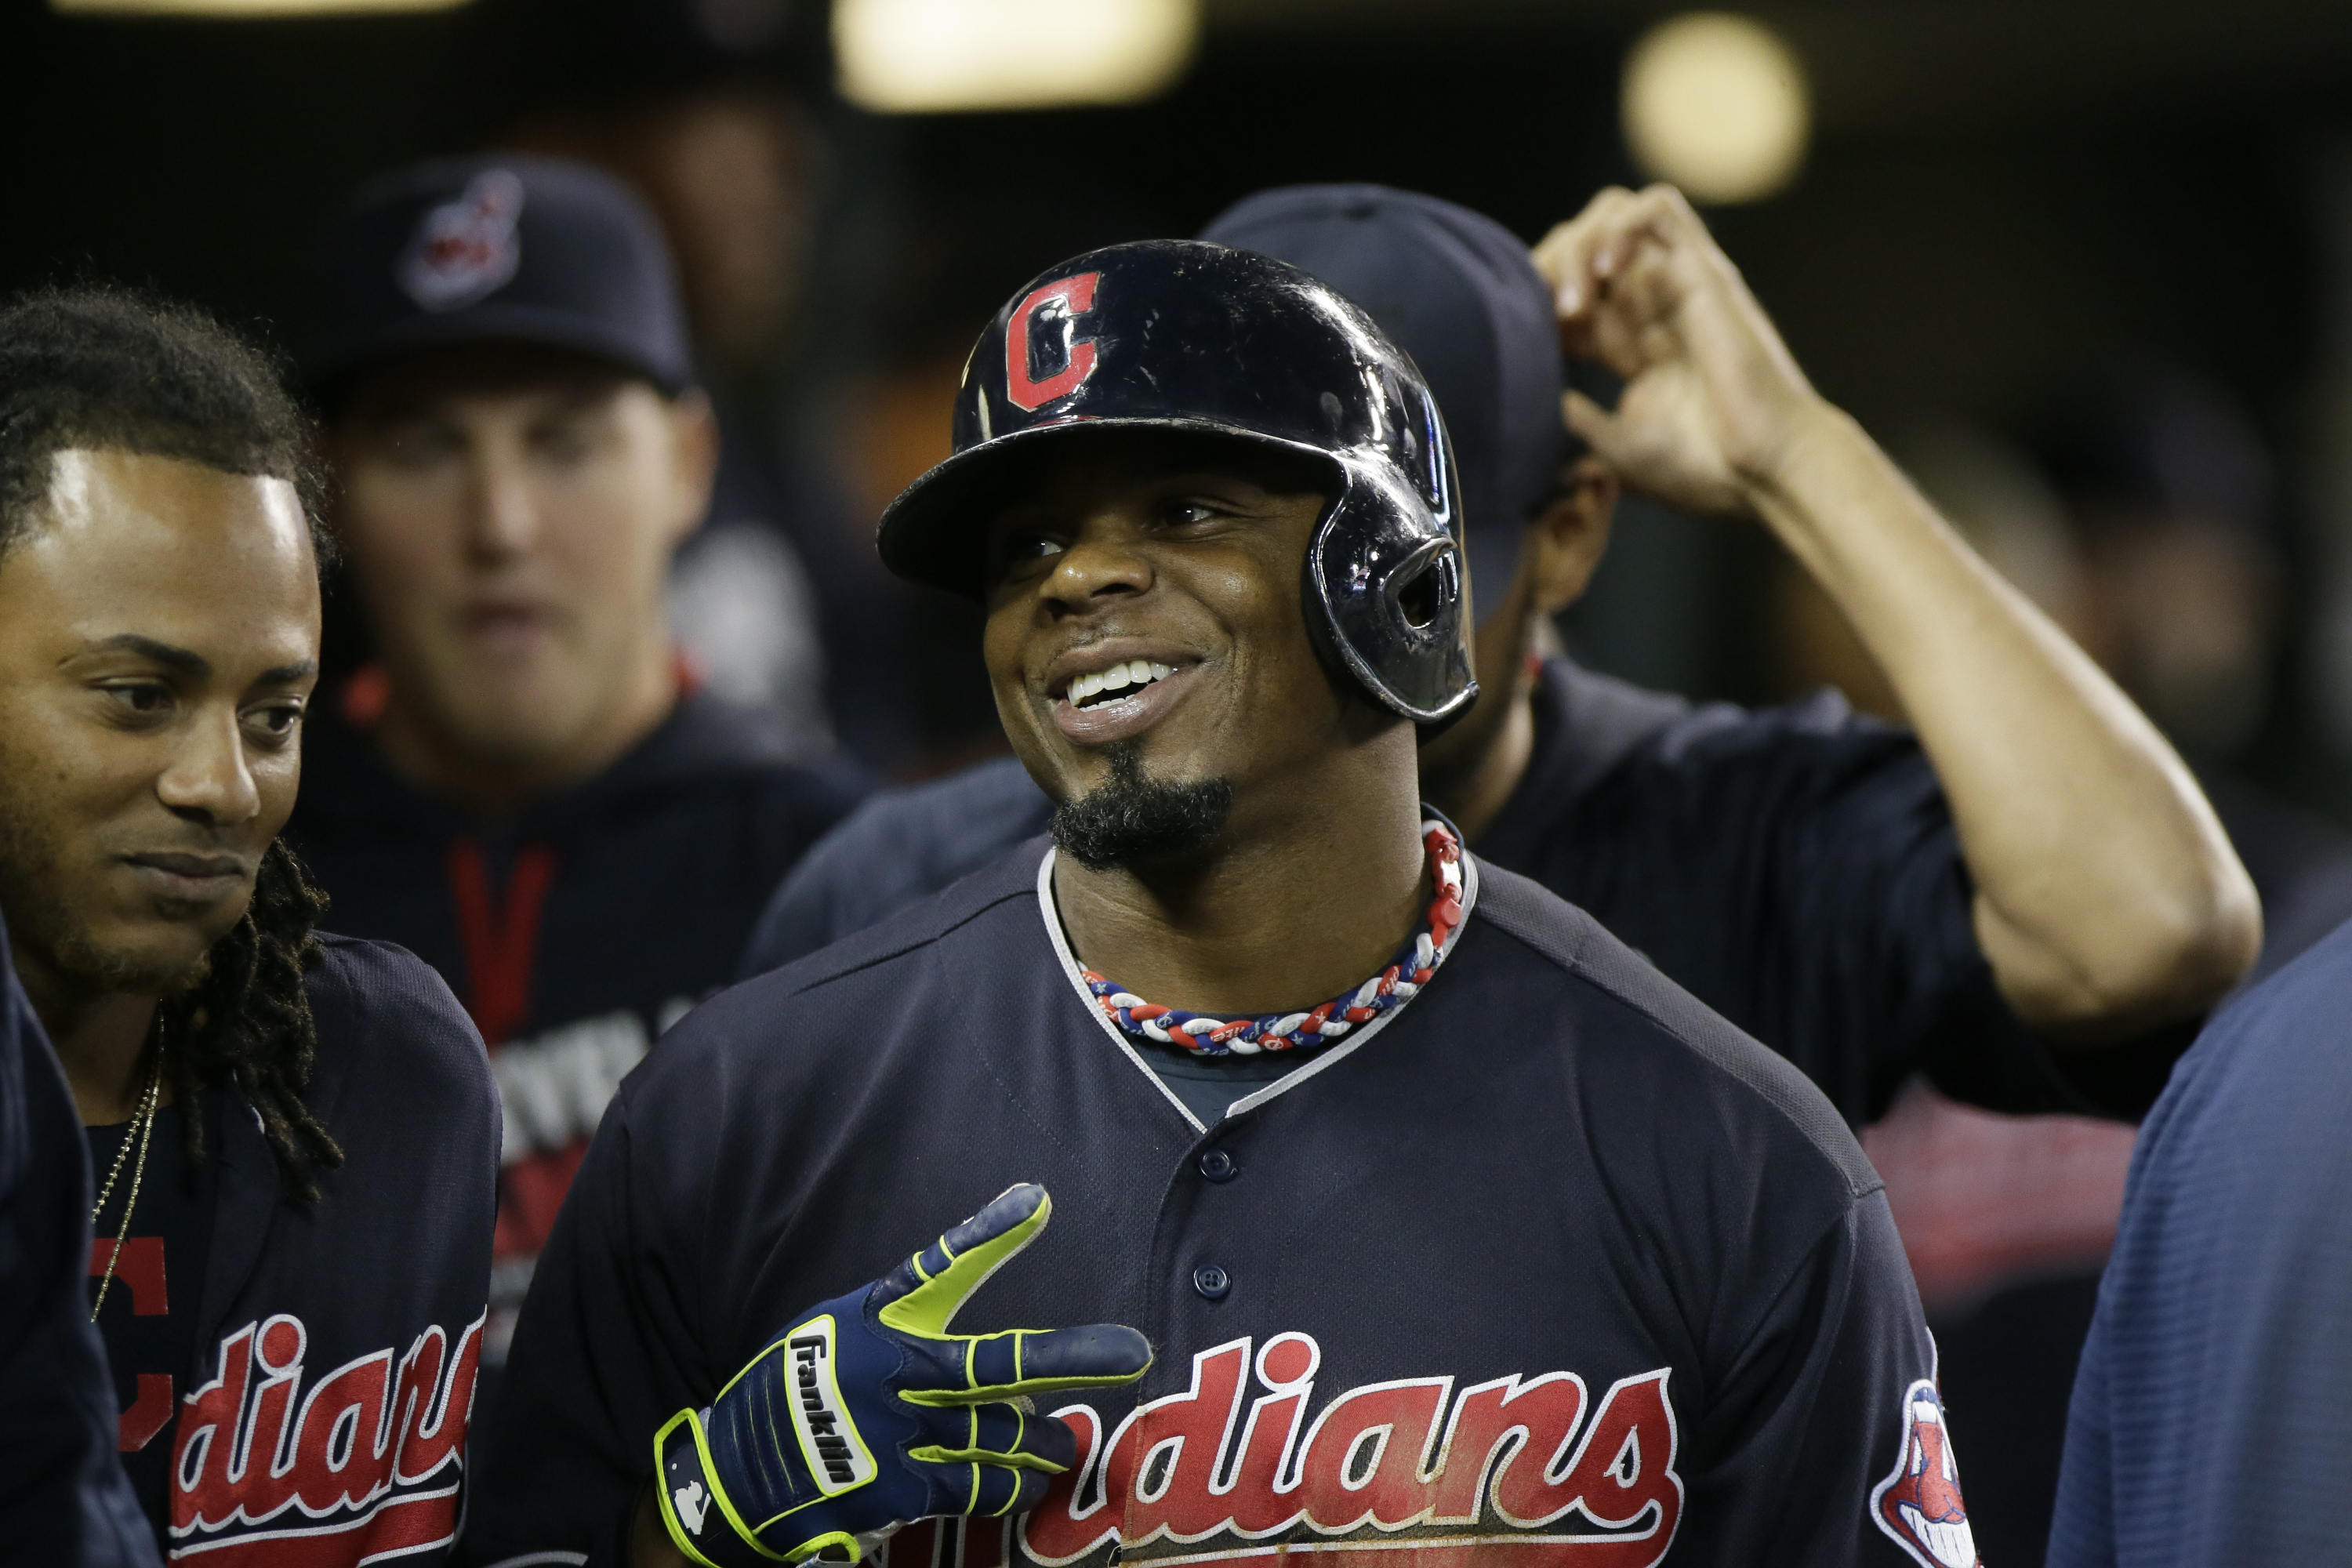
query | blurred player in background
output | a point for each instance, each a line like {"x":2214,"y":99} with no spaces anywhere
{"x":2176,"y":519}
{"x":527,"y":790}
{"x":770,"y":197}
{"x":731,"y":171}
{"x":2008,"y":902}
{"x":296,"y":1135}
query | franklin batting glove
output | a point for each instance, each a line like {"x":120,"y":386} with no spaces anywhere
{"x":867,"y":1413}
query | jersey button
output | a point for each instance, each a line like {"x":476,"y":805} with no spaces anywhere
{"x":1212,"y":1281}
{"x":1217,"y":1165}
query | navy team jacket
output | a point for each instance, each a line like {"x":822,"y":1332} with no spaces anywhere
{"x":1551,"y":1268}
{"x":577,"y":931}
{"x":324,"y":1424}
{"x":63,"y":1498}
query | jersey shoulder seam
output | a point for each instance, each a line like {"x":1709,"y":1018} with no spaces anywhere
{"x":1566,"y":936}
{"x":861,"y":956}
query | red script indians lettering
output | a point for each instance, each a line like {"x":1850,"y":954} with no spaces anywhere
{"x":281,"y":1467}
{"x":1517,"y":1472}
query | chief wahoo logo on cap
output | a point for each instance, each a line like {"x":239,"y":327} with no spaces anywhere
{"x":465,"y":249}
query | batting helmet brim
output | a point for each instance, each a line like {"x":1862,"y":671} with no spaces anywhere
{"x":937,"y":531}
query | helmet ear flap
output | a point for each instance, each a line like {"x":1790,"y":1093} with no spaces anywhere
{"x":1388,"y":596}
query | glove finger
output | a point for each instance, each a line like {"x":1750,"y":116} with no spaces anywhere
{"x":1043,"y":1361}
{"x":1002,"y":1434}
{"x":921,"y":1295}
{"x":985,"y":1491}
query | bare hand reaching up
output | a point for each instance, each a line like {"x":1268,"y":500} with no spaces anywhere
{"x":1712,"y":400}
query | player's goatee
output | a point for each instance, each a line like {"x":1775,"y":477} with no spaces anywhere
{"x":1133,"y":820}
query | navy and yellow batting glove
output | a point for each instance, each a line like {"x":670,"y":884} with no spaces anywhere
{"x":867,"y":1413}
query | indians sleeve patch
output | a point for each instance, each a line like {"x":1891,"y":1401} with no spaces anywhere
{"x":1918,"y":1504}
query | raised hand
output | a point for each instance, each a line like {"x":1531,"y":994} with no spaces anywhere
{"x":866,"y":1412}
{"x":1713,"y":401}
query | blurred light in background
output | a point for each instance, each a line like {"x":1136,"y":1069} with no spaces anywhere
{"x":930,"y":55}
{"x":1717,"y":104}
{"x":247,"y":8}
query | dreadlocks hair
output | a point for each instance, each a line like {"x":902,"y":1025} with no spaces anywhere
{"x":115,"y":370}
{"x":248,"y":1019}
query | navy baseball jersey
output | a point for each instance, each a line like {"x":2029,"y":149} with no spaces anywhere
{"x":1549,"y":1265}
{"x":340,"y":1338}
{"x":576,"y":931}
{"x":1796,"y":869}
{"x":2208,"y":1421}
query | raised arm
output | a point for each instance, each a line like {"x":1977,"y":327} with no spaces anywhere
{"x":2109,"y":899}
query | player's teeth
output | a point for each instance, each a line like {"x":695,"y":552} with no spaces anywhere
{"x":1118,"y":677}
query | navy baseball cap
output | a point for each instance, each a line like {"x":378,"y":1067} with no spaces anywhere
{"x":497,"y":249}
{"x":1460,"y":294}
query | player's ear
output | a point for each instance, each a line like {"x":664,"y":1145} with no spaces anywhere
{"x":694,"y":429}
{"x":1566,"y":540}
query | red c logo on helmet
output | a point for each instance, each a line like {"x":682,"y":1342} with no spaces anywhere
{"x":1074,"y":295}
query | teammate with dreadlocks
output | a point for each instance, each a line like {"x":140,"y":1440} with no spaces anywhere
{"x":294,"y":1136}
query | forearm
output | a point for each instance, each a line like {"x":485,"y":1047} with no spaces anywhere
{"x":2108,"y":898}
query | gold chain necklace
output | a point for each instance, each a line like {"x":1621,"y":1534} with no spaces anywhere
{"x":148,"y":1104}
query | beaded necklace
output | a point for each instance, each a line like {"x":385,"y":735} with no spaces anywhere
{"x":1416,"y":960}
{"x":145,"y":1128}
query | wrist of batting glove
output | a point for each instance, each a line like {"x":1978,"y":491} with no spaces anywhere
{"x":866,"y":1412}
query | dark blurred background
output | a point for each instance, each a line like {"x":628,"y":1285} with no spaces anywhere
{"x":2000,"y":207}
{"x":2084,"y":266}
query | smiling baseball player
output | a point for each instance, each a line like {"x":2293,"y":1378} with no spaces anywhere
{"x":1455,"y":1227}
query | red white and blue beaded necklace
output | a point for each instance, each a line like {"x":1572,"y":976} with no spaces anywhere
{"x":1416,"y":960}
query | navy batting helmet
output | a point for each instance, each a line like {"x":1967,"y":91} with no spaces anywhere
{"x":1182,"y":335}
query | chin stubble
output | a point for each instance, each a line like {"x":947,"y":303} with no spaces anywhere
{"x":1132,"y":821}
{"x":35,"y":895}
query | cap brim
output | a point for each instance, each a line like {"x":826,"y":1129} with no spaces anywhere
{"x":330,"y":369}
{"x":934,"y":533}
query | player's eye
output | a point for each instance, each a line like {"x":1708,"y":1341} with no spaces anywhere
{"x":566,"y":442}
{"x":1018,"y":551}
{"x":1185,"y":512}
{"x":422,"y":443}
{"x":274,"y":724}
{"x":140,"y":698}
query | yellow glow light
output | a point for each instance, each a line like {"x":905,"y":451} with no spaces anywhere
{"x":237,"y":8}
{"x":929,"y":56}
{"x":1716,"y":103}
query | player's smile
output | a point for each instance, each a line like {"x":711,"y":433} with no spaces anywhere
{"x":1116,"y":688}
